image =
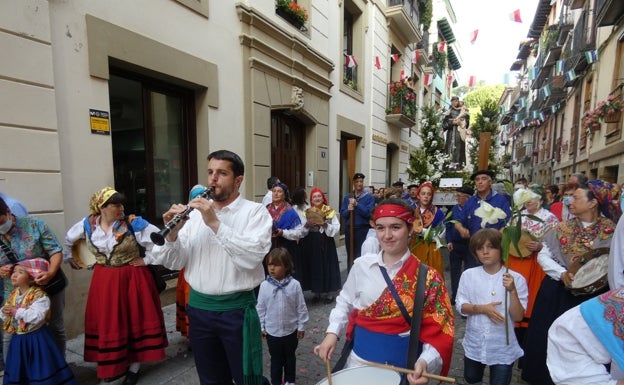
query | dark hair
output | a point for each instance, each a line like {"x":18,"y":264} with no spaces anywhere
{"x":280,"y":256}
{"x":570,"y":186}
{"x":238,"y":167}
{"x":553,"y":188}
{"x":4,"y":208}
{"x":299,"y":197}
{"x":116,"y":198}
{"x":581,"y":178}
{"x":482,"y":236}
{"x":271,"y":182}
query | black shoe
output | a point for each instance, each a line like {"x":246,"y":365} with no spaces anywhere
{"x":328,"y":300}
{"x":316,"y":299}
{"x":131,"y":379}
{"x":111,"y":379}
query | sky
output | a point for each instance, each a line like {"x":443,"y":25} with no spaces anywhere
{"x":497,"y":44}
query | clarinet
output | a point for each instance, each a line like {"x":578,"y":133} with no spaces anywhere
{"x":159,"y":237}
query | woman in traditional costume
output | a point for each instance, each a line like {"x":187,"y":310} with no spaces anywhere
{"x":378,"y":296}
{"x":320,"y":258}
{"x":534,"y":227}
{"x":124,"y":323}
{"x":431,"y":216}
{"x":595,"y":207}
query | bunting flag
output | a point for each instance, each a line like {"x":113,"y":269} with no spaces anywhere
{"x":428,"y":78}
{"x":553,"y":108}
{"x":415,"y":57}
{"x":516,"y":117}
{"x":473,"y":36}
{"x":472,"y":80}
{"x":350,"y":61}
{"x":523,"y":123}
{"x":377,"y":62}
{"x":591,"y":56}
{"x":449,"y":79}
{"x":546,"y":91}
{"x":542,"y":117}
{"x":502,"y":109}
{"x":522,"y":102}
{"x":532,"y":73}
{"x":395,"y":57}
{"x":534,"y":114}
{"x":506,"y":78}
{"x":559,"y":66}
{"x":515,"y":16}
{"x":402,"y":75}
{"x":442,"y":46}
{"x":570,"y":75}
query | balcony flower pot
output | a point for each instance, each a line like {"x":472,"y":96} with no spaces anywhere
{"x":292,"y":12}
{"x":613,"y":117}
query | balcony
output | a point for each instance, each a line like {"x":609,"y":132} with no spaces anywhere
{"x":401,"y":107}
{"x":608,"y":12}
{"x":403,"y":16}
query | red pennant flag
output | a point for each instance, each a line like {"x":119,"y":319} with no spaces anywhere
{"x":442,"y":46}
{"x":395,"y":57}
{"x":471,"y":81}
{"x":473,"y":36}
{"x":377,"y":62}
{"x":428,"y":78}
{"x":402,"y":75}
{"x":515,"y":16}
{"x":350,"y":61}
{"x":449,"y":80}
{"x":415,"y":58}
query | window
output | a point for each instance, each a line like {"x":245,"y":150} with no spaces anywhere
{"x":352,"y":44}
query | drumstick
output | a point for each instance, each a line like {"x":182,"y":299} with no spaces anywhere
{"x":329,"y":379}
{"x":408,"y":371}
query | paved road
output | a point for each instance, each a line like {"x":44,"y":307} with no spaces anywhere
{"x":179,"y":367}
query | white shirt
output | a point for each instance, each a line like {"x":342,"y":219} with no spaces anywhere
{"x":616,"y":257}
{"x":575,"y":356}
{"x":281,"y":311}
{"x":268,"y":198}
{"x":364,"y":285}
{"x":371,"y":243}
{"x":34,"y":315}
{"x":485,"y":341}
{"x":105,"y":241}
{"x":225,"y":262}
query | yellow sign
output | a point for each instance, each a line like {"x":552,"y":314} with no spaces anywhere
{"x":99,"y":122}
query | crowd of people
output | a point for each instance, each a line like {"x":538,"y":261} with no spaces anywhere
{"x":534,"y":306}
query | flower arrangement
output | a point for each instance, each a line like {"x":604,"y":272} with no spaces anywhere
{"x":591,"y":121}
{"x":610,"y":106}
{"x":402,"y":99}
{"x":296,"y":11}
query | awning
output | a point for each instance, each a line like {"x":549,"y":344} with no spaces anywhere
{"x":446,"y":31}
{"x":453,"y":60}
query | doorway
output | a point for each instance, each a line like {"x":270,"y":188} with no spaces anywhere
{"x":288,"y":149}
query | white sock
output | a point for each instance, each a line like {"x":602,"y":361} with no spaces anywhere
{"x":134,"y":367}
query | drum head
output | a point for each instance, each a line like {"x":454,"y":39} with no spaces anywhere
{"x":591,"y":272}
{"x":315,"y":216}
{"x":364,"y":375}
{"x":81,"y":254}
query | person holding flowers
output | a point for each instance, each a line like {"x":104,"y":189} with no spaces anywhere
{"x":428,"y":250}
{"x":595,"y":207}
{"x":486,"y":208}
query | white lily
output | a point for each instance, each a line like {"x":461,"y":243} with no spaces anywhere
{"x":489,"y":214}
{"x":523,"y":195}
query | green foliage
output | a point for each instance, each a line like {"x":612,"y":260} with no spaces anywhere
{"x":426,"y":13}
{"x":439,"y":59}
{"x":486,"y":121}
{"x":482,"y":94}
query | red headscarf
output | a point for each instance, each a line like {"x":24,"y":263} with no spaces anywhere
{"x":318,"y":190}
{"x":426,"y":184}
{"x":394,"y":211}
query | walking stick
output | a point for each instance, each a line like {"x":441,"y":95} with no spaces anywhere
{"x":351,"y":232}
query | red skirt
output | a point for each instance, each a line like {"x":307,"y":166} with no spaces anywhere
{"x":182,"y":294}
{"x":531,"y":270}
{"x":124,"y":321}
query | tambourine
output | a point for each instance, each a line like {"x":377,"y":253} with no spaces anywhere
{"x":590,"y":272}
{"x":81,"y":255}
{"x":525,"y":238}
{"x":314,"y":215}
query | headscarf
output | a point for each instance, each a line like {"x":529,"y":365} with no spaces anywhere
{"x":318,"y":190}
{"x":99,"y":198}
{"x":394,"y":211}
{"x":285,"y":188}
{"x":426,"y":184}
{"x":539,"y":189}
{"x":607,"y":195}
{"x":34,"y":266}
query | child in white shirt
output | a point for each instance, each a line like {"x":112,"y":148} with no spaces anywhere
{"x":481,"y":297}
{"x":283,"y":312}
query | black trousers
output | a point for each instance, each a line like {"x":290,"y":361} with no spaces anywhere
{"x":359,"y":236}
{"x":283,"y":359}
{"x":460,"y":259}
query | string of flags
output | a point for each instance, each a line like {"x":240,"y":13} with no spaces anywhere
{"x":350,"y":61}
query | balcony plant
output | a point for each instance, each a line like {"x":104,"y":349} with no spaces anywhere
{"x":610,"y":110}
{"x":292,"y":12}
{"x":402,"y":99}
{"x":591,"y":121}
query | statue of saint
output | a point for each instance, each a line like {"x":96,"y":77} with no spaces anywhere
{"x":455,"y":126}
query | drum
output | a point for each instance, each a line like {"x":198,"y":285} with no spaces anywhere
{"x":81,"y":255}
{"x":363,"y":375}
{"x":525,"y":237}
{"x":591,"y":276}
{"x":315,"y":216}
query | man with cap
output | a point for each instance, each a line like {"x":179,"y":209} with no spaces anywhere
{"x":455,"y":146}
{"x":399,"y":185}
{"x":361,"y":203}
{"x":469,"y":222}
{"x":412,"y":195}
{"x":456,"y":245}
